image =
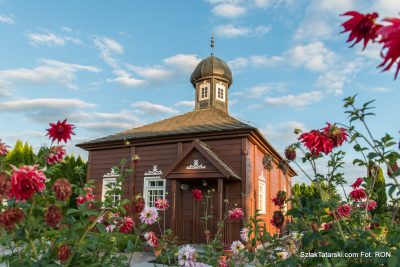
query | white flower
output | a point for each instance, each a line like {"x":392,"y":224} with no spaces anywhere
{"x":236,"y":247}
{"x":187,"y":256}
{"x":110,"y":228}
{"x":244,"y":234}
{"x":297,"y":235}
{"x":200,"y":264}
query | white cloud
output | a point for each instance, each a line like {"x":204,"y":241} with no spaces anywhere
{"x":128,"y":81}
{"x":29,"y":105}
{"x":258,"y":90}
{"x":4,"y":89}
{"x":232,"y":31}
{"x":7,"y":19}
{"x":253,"y":61}
{"x":45,"y":38}
{"x":48,"y":38}
{"x":333,"y":81}
{"x":228,"y":10}
{"x":48,"y":71}
{"x":155,"y":73}
{"x":321,"y":19}
{"x":296,"y":101}
{"x":106,"y":122}
{"x":386,"y":8}
{"x":282,"y":134}
{"x":372,"y":51}
{"x":108,"y":47}
{"x":259,"y":31}
{"x":314,"y":56}
{"x":153,"y":109}
{"x":262,"y":3}
{"x":186,"y":103}
{"x":44,"y":110}
{"x":184,"y":63}
{"x":381,"y":89}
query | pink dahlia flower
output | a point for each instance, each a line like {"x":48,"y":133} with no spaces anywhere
{"x":149,"y":215}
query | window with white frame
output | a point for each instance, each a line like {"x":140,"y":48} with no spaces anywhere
{"x":154,"y":188}
{"x":220,"y":92}
{"x":108,"y":184}
{"x":262,"y":197}
{"x":204,"y":92}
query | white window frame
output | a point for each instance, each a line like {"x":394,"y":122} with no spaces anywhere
{"x":262,"y":194}
{"x":220,"y":86}
{"x":106,"y":181}
{"x":204,"y":86}
{"x":146,"y":188}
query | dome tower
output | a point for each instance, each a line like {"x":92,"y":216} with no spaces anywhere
{"x":211,"y":79}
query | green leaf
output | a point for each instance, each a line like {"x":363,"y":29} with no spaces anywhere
{"x":130,"y":245}
{"x":72,"y":211}
{"x":101,"y":227}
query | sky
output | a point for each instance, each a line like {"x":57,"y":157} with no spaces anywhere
{"x":108,"y":66}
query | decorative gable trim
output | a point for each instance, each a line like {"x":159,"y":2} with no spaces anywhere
{"x":154,"y":172}
{"x":196,"y":166}
{"x":112,"y":174}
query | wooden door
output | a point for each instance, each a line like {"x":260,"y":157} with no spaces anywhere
{"x":185,"y":224}
{"x":191,"y":224}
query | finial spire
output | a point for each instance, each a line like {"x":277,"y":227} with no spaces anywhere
{"x":212,"y":44}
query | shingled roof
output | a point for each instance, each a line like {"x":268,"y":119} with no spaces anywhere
{"x":199,"y":121}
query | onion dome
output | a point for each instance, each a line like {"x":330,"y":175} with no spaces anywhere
{"x":209,"y":67}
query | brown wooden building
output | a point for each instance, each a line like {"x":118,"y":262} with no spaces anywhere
{"x":205,"y":149}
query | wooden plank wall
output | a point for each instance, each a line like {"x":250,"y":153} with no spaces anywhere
{"x":101,"y":163}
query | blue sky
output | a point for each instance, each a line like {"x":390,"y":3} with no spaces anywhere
{"x":108,"y":66}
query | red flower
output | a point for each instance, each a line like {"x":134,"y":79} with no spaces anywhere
{"x":57,"y":154}
{"x":10,"y":217}
{"x":86,"y":198}
{"x":64,"y":253}
{"x":60,"y":131}
{"x":236,"y":213}
{"x":62,"y":189}
{"x":197,"y":194}
{"x":394,"y":168}
{"x":26,"y":181}
{"x":290,"y":153}
{"x":324,"y":140}
{"x":280,"y":198}
{"x":151,"y":239}
{"x":4,"y":185}
{"x":391,"y":43}
{"x":317,"y":142}
{"x":338,"y":135}
{"x":371,"y":205}
{"x":344,"y":210}
{"x":361,"y":27}
{"x":53,"y":216}
{"x":126,"y":225}
{"x":357,"y":183}
{"x":358,"y":194}
{"x":162,"y":204}
{"x":3,"y":149}
{"x":278,"y":219}
{"x":326,"y":226}
{"x":139,"y":205}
